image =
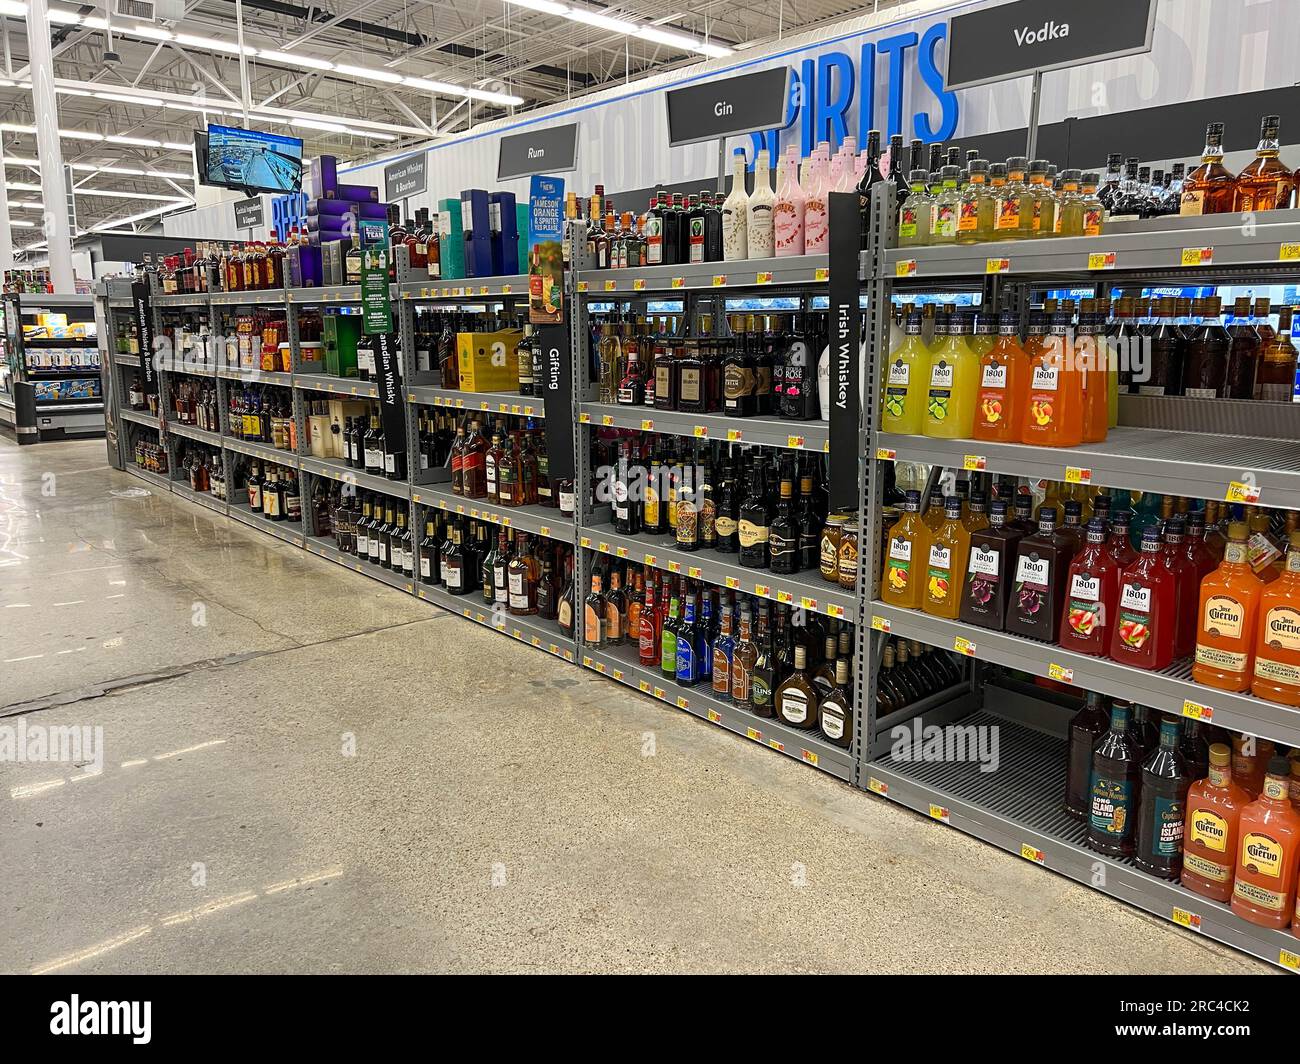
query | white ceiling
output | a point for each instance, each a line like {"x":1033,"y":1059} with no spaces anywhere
{"x":485,"y":46}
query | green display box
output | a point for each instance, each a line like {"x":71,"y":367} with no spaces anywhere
{"x":341,"y":334}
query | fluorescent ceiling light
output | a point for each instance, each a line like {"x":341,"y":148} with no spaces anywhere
{"x":674,"y":40}
{"x":108,"y":193}
{"x":59,"y":17}
{"x":139,"y":217}
{"x":308,"y":123}
{"x":541,"y":5}
{"x":604,"y":22}
{"x":121,"y":97}
{"x":140,"y":142}
{"x":366,"y":72}
{"x":714,"y":51}
{"x":294,"y":59}
{"x":9,"y":7}
{"x":26,"y":205}
{"x":152,"y":33}
{"x":80,"y":134}
{"x":229,"y":47}
{"x":171,"y":145}
{"x":22,"y":186}
{"x":18,"y":223}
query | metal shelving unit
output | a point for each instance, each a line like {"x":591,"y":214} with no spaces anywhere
{"x":1158,"y":449}
{"x":190,"y":432}
{"x":762,"y":431}
{"x":791,"y":270}
{"x":140,"y":417}
{"x":490,"y":402}
{"x":536,"y":519}
{"x":428,"y":290}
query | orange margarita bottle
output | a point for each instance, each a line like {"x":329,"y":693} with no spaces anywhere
{"x":1229,"y":609}
{"x":1002,"y":382}
{"x":1277,"y":649}
{"x":948,"y":554}
{"x":1267,"y":857}
{"x":1210,"y":830}
{"x":1052,"y":410}
{"x":903,"y":581}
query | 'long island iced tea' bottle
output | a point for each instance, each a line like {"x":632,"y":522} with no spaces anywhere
{"x":1229,"y":608}
{"x":1003,"y":371}
{"x":1277,"y":649}
{"x":1264,"y":889}
{"x":1086,"y":729}
{"x":1163,"y":806}
{"x":987,"y":587}
{"x":1213,"y":817}
{"x":902,"y":582}
{"x":1092,"y":595}
{"x":1042,"y":566}
{"x":949,"y":550}
{"x":1113,"y":788}
{"x":904,"y":392}
{"x":1143,"y":634}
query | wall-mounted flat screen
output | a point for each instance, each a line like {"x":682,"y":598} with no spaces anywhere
{"x":249,"y":160}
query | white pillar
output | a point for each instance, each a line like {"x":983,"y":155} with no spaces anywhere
{"x":58,"y":232}
{"x":6,"y":229}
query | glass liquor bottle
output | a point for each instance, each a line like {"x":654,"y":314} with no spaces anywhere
{"x":795,"y":699}
{"x":762,"y":683}
{"x":783,"y":534}
{"x":735,"y":213}
{"x":975,"y":209}
{"x":593,"y":615}
{"x":987,"y":587}
{"x":1162,"y":808}
{"x":755,"y":517}
{"x":523,"y":577}
{"x":1266,"y":184}
{"x":1211,"y":187}
{"x":914,"y":213}
{"x":1243,"y":352}
{"x":1113,"y":788}
{"x":1275,"y":380}
{"x":1086,"y":728}
{"x":1143,"y":635}
{"x":1042,"y":568}
{"x":1205,"y":362}
{"x":1213,"y":821}
{"x":429,"y":555}
{"x":1264,"y":887}
{"x":1130,"y":202}
{"x":687,"y":664}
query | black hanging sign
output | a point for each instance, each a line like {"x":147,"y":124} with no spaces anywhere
{"x":728,"y":107}
{"x":392,"y":410}
{"x":144,"y":334}
{"x":845,"y":344}
{"x":557,"y":399}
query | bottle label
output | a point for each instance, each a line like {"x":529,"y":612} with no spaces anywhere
{"x":1091,"y":221}
{"x":1193,"y":201}
{"x":1083,"y":613}
{"x":685,"y":660}
{"x":1262,"y":855}
{"x":1031,"y":569}
{"x":1211,"y":831}
{"x":907,"y":221}
{"x":453,"y":574}
{"x":995,"y":374}
{"x":1277,"y":671}
{"x":1008,"y":213}
{"x":794,"y":706}
{"x":737,"y":382}
{"x":984,"y":561}
{"x":426,"y":566}
{"x":780,"y":548}
{"x":1046,"y":376}
{"x":898,"y":571}
{"x":941,"y":374}
{"x":697,"y":240}
{"x":751,"y":535}
{"x":721,"y":671}
{"x":900,"y":372}
{"x":1135,"y":616}
{"x":668,"y":652}
{"x":939,"y":576}
{"x":690,"y":385}
{"x":1215,"y":658}
{"x":940,"y":557}
{"x":1282,"y":628}
{"x":1205,"y":868}
{"x":832,"y":721}
{"x":740,"y":682}
{"x":1167,"y":827}
{"x":969,"y":219}
{"x":1224,"y":616}
{"x":1110,"y":808}
{"x":760,"y":692}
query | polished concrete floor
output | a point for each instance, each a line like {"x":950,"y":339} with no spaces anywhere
{"x":305,"y":771}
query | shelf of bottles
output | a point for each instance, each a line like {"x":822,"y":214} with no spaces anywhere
{"x":1077,"y":587}
{"x":430,"y":289}
{"x":140,"y":417}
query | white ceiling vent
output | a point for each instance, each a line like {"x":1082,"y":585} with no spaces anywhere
{"x":149,"y":10}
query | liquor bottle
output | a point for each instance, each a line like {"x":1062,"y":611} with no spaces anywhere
{"x":1053,"y":401}
{"x":523,"y":577}
{"x":566,"y":613}
{"x":429,"y":573}
{"x":393,"y":458}
{"x":945,"y":209}
{"x":796,"y":698}
{"x":1212,"y":830}
{"x":742,"y":662}
{"x":1277,"y":647}
{"x":1092,"y":595}
{"x":987,"y":588}
{"x":1210,"y":188}
{"x":373,"y":450}
{"x":1227,"y":616}
{"x":648,"y":633}
{"x":687,"y":664}
{"x":1013,"y":202}
{"x":871,"y":177}
{"x":953,"y":374}
{"x":788,"y":210}
{"x":1205,"y":356}
{"x":1264,"y":886}
{"x":783,"y":532}
{"x":1042,"y":568}
{"x":760,"y":234}
{"x":753,"y":527}
{"x":1143,"y":634}
{"x":902,"y":580}
{"x":947,"y":560}
{"x":593,"y":615}
{"x":1162,"y":808}
{"x":615,"y":610}
{"x":688,"y":509}
{"x":1113,"y":788}
{"x":724,"y":647}
{"x":735,"y":213}
{"x":1086,"y":728}
{"x":1266,"y":184}
{"x":668,"y":635}
{"x":473,"y":469}
{"x":1244,"y":352}
{"x":1275,"y":380}
{"x":739,"y":381}
{"x":455,"y":562}
{"x":762,"y":678}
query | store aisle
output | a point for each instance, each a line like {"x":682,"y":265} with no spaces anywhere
{"x":304,"y":770}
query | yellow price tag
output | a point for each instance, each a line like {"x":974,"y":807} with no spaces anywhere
{"x":1197,"y":711}
{"x":834,"y":610}
{"x":880,"y":624}
{"x":905,"y":268}
{"x":755,"y":734}
{"x":585,"y":541}
{"x":964,"y":646}
{"x":678,"y":282}
{"x":1240,"y":491}
{"x":785,"y":596}
{"x":795,"y":442}
{"x":715,"y":716}
{"x":1288,"y":252}
{"x":660,"y":693}
{"x":763,"y":278}
{"x":1076,"y":475}
{"x":719,"y":279}
{"x":682,"y":703}
{"x":1184,"y":918}
{"x":506,"y":289}
{"x":1032,"y":853}
{"x":638,"y":285}
{"x":694,"y":572}
{"x":733,"y":583}
{"x":997,"y":266}
{"x":644,"y":685}
{"x":611,"y":286}
{"x":807,"y":602}
{"x":621,"y":551}
{"x":973,"y":462}
{"x":647,"y":425}
{"x":1196,"y":257}
{"x":1060,"y":673}
{"x":483,"y":289}
{"x":821,"y":274}
{"x":674,"y":566}
{"x":886,"y":454}
{"x":939,"y":813}
{"x":701,"y":432}
{"x":1101,"y":260}
{"x":776,"y":744}
{"x":876,"y":786}
{"x":1289,"y":960}
{"x":618,"y":675}
{"x":584,"y":419}
{"x":735,"y":434}
{"x":582,"y":286}
{"x":809,"y":756}
{"x":650,"y":560}
{"x":762,"y":589}
{"x":607,"y":420}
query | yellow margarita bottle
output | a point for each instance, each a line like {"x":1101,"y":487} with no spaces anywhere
{"x":953,"y":384}
{"x":902,"y":582}
{"x":904,"y":384}
{"x":949,"y":551}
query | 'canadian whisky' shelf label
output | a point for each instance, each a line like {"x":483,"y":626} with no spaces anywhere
{"x":1196,"y":257}
{"x":1184,"y":918}
{"x":1197,"y":711}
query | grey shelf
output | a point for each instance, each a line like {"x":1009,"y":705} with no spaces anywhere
{"x":1155,"y":246}
{"x":199,"y":498}
{"x":329,"y":293}
{"x":237,"y":299}
{"x":323,"y":548}
{"x":195,"y":300}
{"x":806,"y":590}
{"x":140,"y":417}
{"x":1170,"y":691}
{"x":157,"y":480}
{"x":1198,"y":465}
{"x":766,"y":431}
{"x":128,"y":361}
{"x":534,"y":631}
{"x":539,"y":520}
{"x":753,"y":275}
{"x":810,"y":747}
{"x":492,"y":402}
{"x":290,"y":533}
{"x":190,"y":432}
{"x":324,"y":382}
{"x":336,"y":469}
{"x":259,"y":376}
{"x":1018,"y":809}
{"x":461,"y":288}
{"x":261,"y":450}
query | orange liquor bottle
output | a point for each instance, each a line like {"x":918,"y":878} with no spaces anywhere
{"x":1210,"y":830}
{"x":1268,"y":854}
{"x":1003,"y":370}
{"x":1226,"y":621}
{"x":1091,"y":358}
{"x":1211,"y":187}
{"x":906,"y":551}
{"x":1052,"y":407}
{"x":1277,"y":649}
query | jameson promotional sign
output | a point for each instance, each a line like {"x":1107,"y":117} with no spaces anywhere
{"x":546,"y":251}
{"x":845,"y":340}
{"x":376,"y":307}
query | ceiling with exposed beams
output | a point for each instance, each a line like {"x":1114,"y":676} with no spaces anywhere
{"x":186,"y":57}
